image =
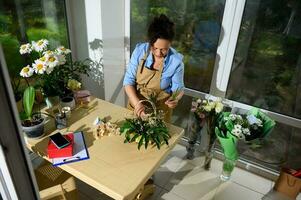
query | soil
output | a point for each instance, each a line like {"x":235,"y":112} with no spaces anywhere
{"x":33,"y":122}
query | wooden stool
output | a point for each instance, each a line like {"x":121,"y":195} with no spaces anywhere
{"x":55,"y":183}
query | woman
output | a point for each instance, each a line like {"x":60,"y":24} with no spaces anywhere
{"x":155,"y":70}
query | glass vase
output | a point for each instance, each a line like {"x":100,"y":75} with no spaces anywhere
{"x":211,"y":141}
{"x":52,"y":101}
{"x":228,"y":167}
{"x":209,"y":151}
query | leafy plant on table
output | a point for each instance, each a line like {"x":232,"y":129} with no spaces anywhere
{"x":150,"y":129}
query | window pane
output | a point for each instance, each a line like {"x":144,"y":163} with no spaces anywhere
{"x":181,"y":114}
{"x":198,"y":25}
{"x":23,"y":21}
{"x":266,"y":70}
{"x":280,"y":149}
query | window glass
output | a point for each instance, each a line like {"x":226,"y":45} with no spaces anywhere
{"x":266,"y":70}
{"x":198,"y":25}
{"x":280,"y":149}
{"x":23,"y":21}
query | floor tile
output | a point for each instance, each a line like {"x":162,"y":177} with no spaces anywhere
{"x":230,"y":191}
{"x":193,"y":183}
{"x":244,"y":178}
{"x":274,"y":195}
{"x":250,"y":180}
{"x":167,"y":195}
{"x":216,"y":166}
{"x":179,"y":175}
{"x":179,"y":151}
{"x":167,"y":170}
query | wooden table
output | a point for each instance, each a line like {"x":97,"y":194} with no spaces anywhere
{"x":114,"y":168}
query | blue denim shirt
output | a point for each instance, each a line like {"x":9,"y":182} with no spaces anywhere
{"x":173,"y":69}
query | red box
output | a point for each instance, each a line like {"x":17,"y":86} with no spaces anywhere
{"x":54,"y":152}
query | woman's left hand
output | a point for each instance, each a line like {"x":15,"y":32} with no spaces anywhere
{"x":171,"y":103}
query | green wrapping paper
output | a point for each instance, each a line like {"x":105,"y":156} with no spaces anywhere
{"x":268,"y":123}
{"x":228,"y":144}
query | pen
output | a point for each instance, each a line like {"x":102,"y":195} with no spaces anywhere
{"x":72,"y":158}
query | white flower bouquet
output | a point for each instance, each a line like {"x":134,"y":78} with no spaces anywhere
{"x":232,"y":127}
{"x":207,"y":111}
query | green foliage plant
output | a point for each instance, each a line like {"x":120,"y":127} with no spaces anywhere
{"x":150,"y":129}
{"x":27,"y":116}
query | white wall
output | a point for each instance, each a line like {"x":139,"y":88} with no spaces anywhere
{"x":113,"y":39}
{"x":97,"y":32}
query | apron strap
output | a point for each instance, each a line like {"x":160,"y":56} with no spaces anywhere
{"x":142,"y":62}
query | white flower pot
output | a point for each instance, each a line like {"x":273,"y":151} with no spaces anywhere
{"x":68,"y":102}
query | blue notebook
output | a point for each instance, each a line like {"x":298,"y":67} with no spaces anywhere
{"x":80,"y":151}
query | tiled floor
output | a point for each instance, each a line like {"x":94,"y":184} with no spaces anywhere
{"x":182,"y":179}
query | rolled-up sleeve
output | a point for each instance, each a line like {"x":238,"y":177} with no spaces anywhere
{"x":130,"y":75}
{"x":177,"y":80}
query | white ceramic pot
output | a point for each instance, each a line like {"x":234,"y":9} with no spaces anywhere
{"x":68,"y":102}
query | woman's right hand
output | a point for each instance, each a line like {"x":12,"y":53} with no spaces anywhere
{"x":139,"y":109}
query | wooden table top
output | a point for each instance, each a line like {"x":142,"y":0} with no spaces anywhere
{"x":117,"y":169}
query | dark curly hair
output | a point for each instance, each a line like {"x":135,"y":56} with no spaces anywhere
{"x":161,"y":27}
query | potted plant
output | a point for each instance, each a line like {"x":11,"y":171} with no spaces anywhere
{"x":56,"y":84}
{"x":68,"y":100}
{"x":49,"y":74}
{"x":32,"y":123}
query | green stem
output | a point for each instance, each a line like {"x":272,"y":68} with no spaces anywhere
{"x":27,"y":82}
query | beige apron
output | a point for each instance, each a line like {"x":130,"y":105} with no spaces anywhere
{"x":148,"y":86}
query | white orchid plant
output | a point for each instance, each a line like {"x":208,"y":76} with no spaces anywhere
{"x":53,"y":67}
{"x":50,"y":70}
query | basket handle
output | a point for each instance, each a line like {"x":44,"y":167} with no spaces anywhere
{"x":150,"y":102}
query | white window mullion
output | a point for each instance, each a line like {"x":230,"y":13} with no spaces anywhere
{"x":127,"y":30}
{"x":225,"y":52}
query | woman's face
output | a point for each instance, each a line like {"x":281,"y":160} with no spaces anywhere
{"x":160,"y":48}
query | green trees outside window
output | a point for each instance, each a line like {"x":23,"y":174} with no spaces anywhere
{"x":22,"y":21}
{"x":198,"y":26}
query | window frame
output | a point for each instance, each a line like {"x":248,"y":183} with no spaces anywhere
{"x":18,"y":180}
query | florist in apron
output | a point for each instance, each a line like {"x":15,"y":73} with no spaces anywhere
{"x":155,"y":71}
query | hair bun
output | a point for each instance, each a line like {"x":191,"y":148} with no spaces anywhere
{"x":164,"y":20}
{"x":160,"y":27}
